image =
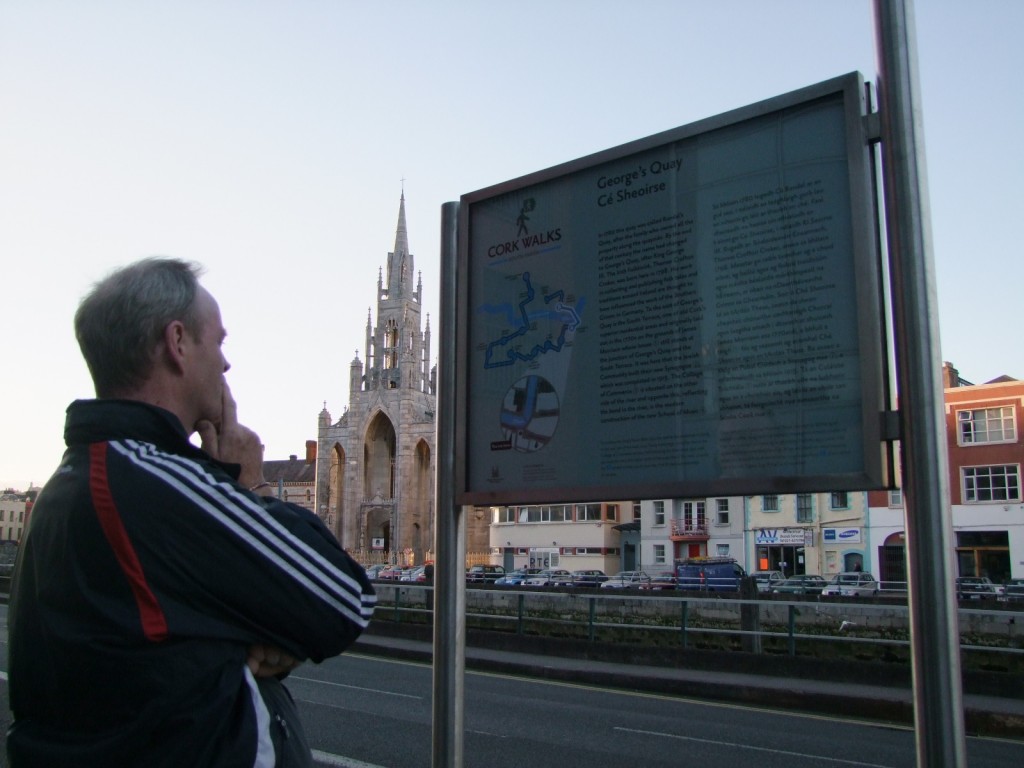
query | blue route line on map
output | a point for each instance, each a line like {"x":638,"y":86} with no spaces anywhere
{"x":524,"y":320}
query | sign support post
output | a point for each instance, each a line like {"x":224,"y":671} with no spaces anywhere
{"x":449,"y":666}
{"x":934,"y":630}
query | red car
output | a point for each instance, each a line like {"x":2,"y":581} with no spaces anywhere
{"x":391,"y":573}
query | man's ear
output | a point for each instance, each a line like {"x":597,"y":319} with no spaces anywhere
{"x":176,"y":340}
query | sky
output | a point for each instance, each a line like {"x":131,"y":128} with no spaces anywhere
{"x":271,"y":141}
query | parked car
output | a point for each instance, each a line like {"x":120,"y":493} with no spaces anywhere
{"x":801,"y":584}
{"x":421,"y":574}
{"x":626,"y":580}
{"x":550,"y":577}
{"x":390,"y":573}
{"x":1013,"y":591}
{"x":711,"y":574}
{"x":589,"y":578}
{"x":976,"y":588}
{"x":516,"y":577}
{"x":660,"y":581}
{"x":373,"y":570}
{"x":851,"y":584}
{"x":413,"y":574}
{"x":768,"y":580}
{"x":481,"y":574}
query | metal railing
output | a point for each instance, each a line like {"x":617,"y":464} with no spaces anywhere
{"x":681,"y":527}
{"x":806,"y":627}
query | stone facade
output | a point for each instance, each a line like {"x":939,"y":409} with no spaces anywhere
{"x":294,"y":479}
{"x":375,"y":466}
{"x":15,"y":508}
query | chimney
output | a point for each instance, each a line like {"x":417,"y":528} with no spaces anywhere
{"x":950,"y":376}
{"x":310,"y":451}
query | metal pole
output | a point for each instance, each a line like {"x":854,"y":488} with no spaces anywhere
{"x":934,"y":629}
{"x":449,"y":570}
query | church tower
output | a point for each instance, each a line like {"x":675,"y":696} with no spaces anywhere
{"x":376,"y":464}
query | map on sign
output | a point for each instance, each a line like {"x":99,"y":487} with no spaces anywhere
{"x":540,"y":325}
{"x":529,"y":414}
{"x":539,"y":328}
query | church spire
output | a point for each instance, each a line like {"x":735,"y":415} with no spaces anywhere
{"x":400,"y":261}
{"x":401,"y":233}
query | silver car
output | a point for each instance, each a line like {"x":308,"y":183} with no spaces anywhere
{"x":767,"y":580}
{"x":626,"y":580}
{"x":550,"y":577}
{"x":851,"y":584}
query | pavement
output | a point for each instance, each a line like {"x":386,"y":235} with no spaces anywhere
{"x":985,"y":713}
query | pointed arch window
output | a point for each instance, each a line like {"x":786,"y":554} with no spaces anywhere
{"x":391,"y":344}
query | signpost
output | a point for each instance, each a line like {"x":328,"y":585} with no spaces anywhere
{"x":699,"y":313}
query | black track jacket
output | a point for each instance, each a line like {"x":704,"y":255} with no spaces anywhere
{"x":144,"y":573}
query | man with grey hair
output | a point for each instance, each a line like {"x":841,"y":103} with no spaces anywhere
{"x":161,"y":592}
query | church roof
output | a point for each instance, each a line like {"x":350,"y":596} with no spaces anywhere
{"x":291,"y":470}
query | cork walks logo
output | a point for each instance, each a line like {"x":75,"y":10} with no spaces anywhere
{"x":524,"y":240}
{"x":528,"y":205}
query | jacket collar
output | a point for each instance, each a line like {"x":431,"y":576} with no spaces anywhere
{"x":100,"y":420}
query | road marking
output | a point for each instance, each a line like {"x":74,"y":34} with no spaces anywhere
{"x":355,"y":687}
{"x":378,"y":657}
{"x":763,"y":709}
{"x":734,"y":745}
{"x":326,"y":758}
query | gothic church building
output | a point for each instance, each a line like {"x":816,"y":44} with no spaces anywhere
{"x":375,"y":465}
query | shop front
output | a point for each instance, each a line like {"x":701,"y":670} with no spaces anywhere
{"x":783,"y":549}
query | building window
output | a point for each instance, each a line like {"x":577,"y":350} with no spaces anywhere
{"x":659,"y":554}
{"x":588,"y":512}
{"x":695,"y":516}
{"x":559,"y":513}
{"x":504,"y":514}
{"x":391,"y":345}
{"x":659,"y":513}
{"x":896,"y":497}
{"x":770,"y":503}
{"x":804,"y":508}
{"x":636,"y":510}
{"x":986,"y":425}
{"x":529,"y":514}
{"x":839,"y":500}
{"x":722,"y":550}
{"x":997,"y":483}
{"x":611,"y":512}
{"x":723,"y":512}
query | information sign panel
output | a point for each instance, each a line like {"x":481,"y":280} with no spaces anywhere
{"x":695,"y":313}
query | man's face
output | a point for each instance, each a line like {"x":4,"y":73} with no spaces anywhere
{"x":208,"y":364}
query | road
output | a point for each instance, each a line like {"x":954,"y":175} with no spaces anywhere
{"x":364,"y":712}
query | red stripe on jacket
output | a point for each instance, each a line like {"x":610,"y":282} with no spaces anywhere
{"x":154,"y":624}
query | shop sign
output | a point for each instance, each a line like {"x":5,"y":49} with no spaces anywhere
{"x":790,"y":536}
{"x":840,"y":535}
